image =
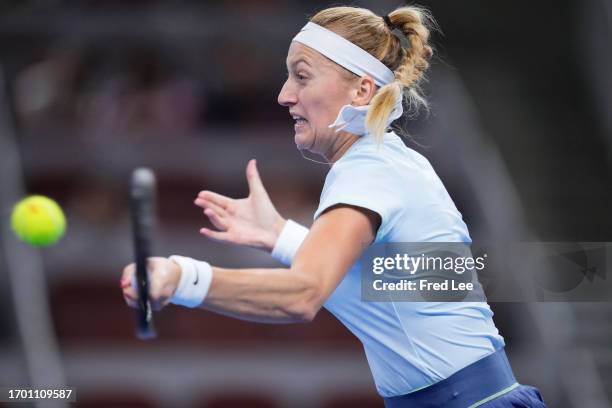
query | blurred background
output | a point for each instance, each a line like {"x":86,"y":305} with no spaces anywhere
{"x":520,"y":132}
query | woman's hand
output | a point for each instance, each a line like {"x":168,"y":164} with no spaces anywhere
{"x":252,"y":221}
{"x":164,"y":277}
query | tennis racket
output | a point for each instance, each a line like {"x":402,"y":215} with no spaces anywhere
{"x":142,"y":200}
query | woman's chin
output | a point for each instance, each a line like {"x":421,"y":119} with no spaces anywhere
{"x":303,"y":140}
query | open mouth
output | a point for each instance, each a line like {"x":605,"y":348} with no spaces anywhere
{"x":299,"y":120}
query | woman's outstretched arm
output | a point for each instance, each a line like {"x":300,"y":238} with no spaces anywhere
{"x":335,"y":241}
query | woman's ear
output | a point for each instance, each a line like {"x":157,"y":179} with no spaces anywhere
{"x":364,"y":91}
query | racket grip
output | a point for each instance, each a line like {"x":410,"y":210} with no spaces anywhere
{"x":145,"y":330}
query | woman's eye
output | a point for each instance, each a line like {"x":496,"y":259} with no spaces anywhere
{"x":301,"y":77}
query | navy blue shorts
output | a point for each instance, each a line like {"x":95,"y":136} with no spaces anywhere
{"x":524,"y":396}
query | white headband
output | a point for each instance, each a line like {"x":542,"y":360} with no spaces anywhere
{"x":344,"y":53}
{"x":358,"y":61}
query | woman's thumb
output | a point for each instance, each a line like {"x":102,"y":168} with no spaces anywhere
{"x":255,"y":184}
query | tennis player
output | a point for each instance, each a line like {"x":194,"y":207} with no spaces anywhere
{"x":347,"y":75}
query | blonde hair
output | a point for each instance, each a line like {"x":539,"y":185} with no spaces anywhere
{"x":370,"y":32}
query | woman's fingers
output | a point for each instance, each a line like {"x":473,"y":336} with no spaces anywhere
{"x":219,"y":236}
{"x":161,"y":283}
{"x":215,"y":213}
{"x":131,"y":303}
{"x":218,"y":199}
{"x":157,"y":298}
{"x":131,"y":297}
{"x":124,"y":283}
{"x":215,"y":219}
{"x":220,"y":211}
{"x":207,"y":202}
{"x":129,"y":292}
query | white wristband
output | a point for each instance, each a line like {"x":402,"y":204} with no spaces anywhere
{"x":288,"y":242}
{"x":194,"y":283}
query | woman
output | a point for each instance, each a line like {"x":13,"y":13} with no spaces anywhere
{"x":347,"y":73}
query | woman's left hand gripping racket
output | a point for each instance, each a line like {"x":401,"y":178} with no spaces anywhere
{"x":142,"y":203}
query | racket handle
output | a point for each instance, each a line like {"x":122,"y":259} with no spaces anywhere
{"x":145,"y":329}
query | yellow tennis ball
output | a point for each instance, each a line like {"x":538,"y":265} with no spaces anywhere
{"x":38,"y":220}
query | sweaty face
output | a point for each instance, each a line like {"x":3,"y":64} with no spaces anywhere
{"x":315,"y":90}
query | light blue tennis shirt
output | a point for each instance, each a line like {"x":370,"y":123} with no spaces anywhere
{"x":409,"y":345}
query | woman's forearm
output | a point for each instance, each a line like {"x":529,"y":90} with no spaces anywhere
{"x":263,"y":295}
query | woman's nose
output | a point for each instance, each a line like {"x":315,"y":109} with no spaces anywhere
{"x":286,"y":96}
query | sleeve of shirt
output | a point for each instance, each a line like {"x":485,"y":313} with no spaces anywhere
{"x":367,"y":181}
